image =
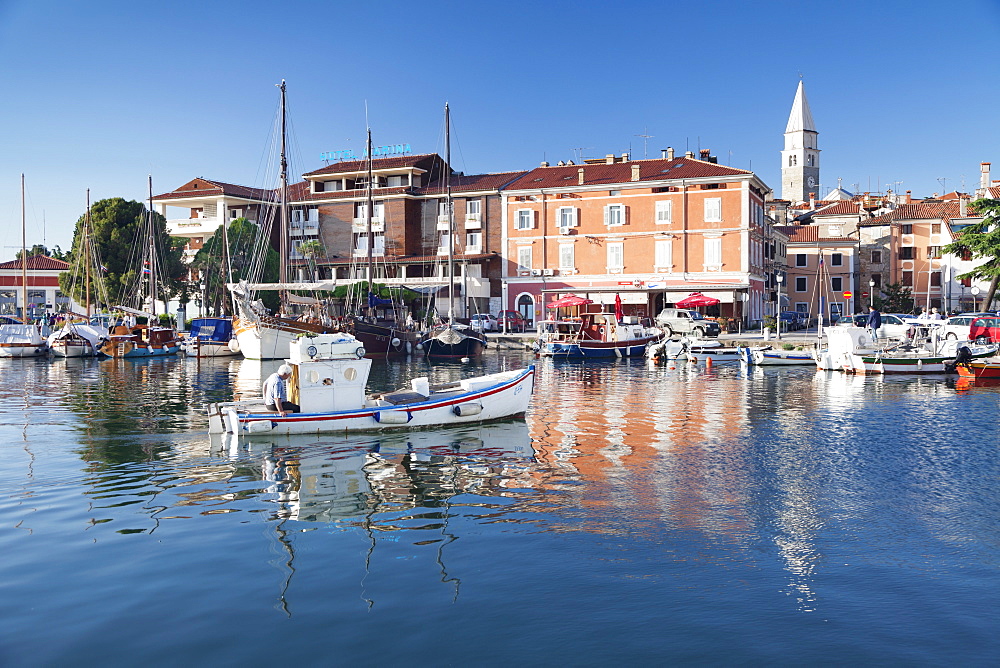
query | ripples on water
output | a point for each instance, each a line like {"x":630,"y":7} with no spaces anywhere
{"x":637,"y":514}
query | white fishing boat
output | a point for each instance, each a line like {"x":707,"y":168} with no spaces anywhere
{"x":209,"y":337}
{"x":932,"y":355}
{"x":768,"y":356}
{"x":22,"y":339}
{"x":328,"y":381}
{"x":692,"y":350}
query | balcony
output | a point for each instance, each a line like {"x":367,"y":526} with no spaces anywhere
{"x":295,"y":228}
{"x":363,"y":252}
{"x":473,"y":221}
{"x":191,"y":227}
{"x":469,"y":250}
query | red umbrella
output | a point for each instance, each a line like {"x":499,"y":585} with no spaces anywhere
{"x":696,"y":299}
{"x":618,"y":307}
{"x":570,"y":300}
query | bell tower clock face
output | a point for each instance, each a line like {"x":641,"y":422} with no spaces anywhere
{"x":811,"y":181}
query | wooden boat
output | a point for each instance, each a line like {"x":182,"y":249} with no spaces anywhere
{"x":141,"y":341}
{"x":329,"y":375}
{"x":929,"y":356}
{"x":20,"y":338}
{"x":693,"y":350}
{"x":209,"y":337}
{"x":78,"y":339}
{"x":981,"y":369}
{"x":596,"y":336}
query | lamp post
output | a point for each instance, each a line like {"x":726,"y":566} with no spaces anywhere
{"x":975,"y":293}
{"x":871,"y":291}
{"x":780,"y":279}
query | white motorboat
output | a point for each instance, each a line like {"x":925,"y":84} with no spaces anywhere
{"x":78,"y":340}
{"x":21,"y":340}
{"x":850,"y":349}
{"x":768,"y":356}
{"x":329,"y":375}
{"x":692,"y":350}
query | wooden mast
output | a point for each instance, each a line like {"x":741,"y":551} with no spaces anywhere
{"x":368,"y":225}
{"x":86,"y":255}
{"x":283,"y":210}
{"x":24,"y":262}
{"x":451,"y":221}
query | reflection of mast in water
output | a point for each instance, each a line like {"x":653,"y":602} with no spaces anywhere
{"x":797,"y":522}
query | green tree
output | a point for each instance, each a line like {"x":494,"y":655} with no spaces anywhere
{"x":39,"y":249}
{"x":116,"y":230}
{"x":894,"y":298}
{"x":981,"y":240}
{"x":310,"y":251}
{"x":244,"y":244}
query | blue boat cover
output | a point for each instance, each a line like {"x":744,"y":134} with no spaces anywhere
{"x":212,"y":329}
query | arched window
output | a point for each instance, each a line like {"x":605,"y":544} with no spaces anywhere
{"x":526,"y":307}
{"x":792,"y":160}
{"x":811,"y":160}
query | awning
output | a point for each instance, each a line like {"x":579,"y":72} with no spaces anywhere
{"x":696,"y":299}
{"x":132,"y":311}
{"x":570,"y":300}
{"x":311,"y":287}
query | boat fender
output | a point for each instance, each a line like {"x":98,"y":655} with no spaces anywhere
{"x":409,"y":347}
{"x":395,"y":342}
{"x":234,"y":345}
{"x":360,"y":352}
{"x":420,"y":347}
{"x":258,"y":426}
{"x":393,"y":417}
{"x":469,"y":408}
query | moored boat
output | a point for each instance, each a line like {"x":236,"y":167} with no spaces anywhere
{"x":847,"y":348}
{"x":767,"y":356}
{"x":21,"y":340}
{"x":209,"y":337}
{"x":140,"y":341}
{"x":693,"y":350}
{"x":596,"y":335}
{"x":78,"y":339}
{"x":329,"y":375}
{"x":981,"y":369}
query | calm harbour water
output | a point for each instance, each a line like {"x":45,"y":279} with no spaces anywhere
{"x":638,"y":514}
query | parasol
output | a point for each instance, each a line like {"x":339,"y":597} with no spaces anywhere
{"x":570,"y":300}
{"x":696,"y":299}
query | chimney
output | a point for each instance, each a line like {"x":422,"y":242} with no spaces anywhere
{"x":624,"y":157}
{"x":812,"y":201}
{"x":962,"y":211}
{"x":579,"y":176}
{"x":545,"y":163}
{"x":670,"y":153}
{"x":689,"y":155}
{"x":984,"y":177}
{"x":635,"y":172}
{"x":609,"y":159}
{"x":663,"y":154}
{"x":909,"y":197}
{"x":704,"y":154}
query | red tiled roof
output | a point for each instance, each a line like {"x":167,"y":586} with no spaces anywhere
{"x":473,"y":182}
{"x":842,"y":208}
{"x":809,"y":234}
{"x":393,"y":162}
{"x":994,"y":192}
{"x":37,"y":263}
{"x":412,"y":259}
{"x":917,"y":211}
{"x":621,"y":172}
{"x":203,"y":188}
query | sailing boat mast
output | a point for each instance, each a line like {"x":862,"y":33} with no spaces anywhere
{"x":24,"y":262}
{"x":153,"y":269}
{"x":86,"y":255}
{"x":283,"y":204}
{"x":451,"y":221}
{"x":368,"y":223}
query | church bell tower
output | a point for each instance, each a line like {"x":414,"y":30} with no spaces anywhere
{"x":800,"y":157}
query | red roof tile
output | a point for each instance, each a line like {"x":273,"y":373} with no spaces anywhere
{"x":37,"y":263}
{"x":393,"y":162}
{"x":621,"y":172}
{"x":842,"y":208}
{"x":204,"y":188}
{"x":917,"y":211}
{"x":809,"y":234}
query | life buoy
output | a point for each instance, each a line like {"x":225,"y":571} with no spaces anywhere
{"x":601,"y":330}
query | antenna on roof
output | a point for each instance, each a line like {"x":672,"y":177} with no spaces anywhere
{"x":581,"y":149}
{"x":645,"y":141}
{"x":943,"y":180}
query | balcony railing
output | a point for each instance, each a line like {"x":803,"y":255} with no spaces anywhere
{"x":361,"y":224}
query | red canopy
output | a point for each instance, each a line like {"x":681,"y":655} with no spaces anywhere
{"x":696,"y":299}
{"x":570,"y":300}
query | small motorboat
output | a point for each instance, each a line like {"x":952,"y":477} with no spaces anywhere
{"x":693,"y":350}
{"x":328,"y":382}
{"x":928,"y":356}
{"x":596,"y":336}
{"x":210,"y":337}
{"x":768,"y":356}
{"x":77,"y":339}
{"x":19,"y":339}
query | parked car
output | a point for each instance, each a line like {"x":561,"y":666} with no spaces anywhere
{"x":511,"y":321}
{"x":794,"y":320}
{"x":957,"y":327}
{"x":892,"y":327}
{"x":484,"y":322}
{"x":683,"y":321}
{"x":985,"y":329}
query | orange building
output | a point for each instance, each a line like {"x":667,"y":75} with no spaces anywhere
{"x":647,"y":231}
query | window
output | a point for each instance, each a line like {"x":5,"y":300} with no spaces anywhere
{"x":837,"y":283}
{"x":792,"y":160}
{"x":397,"y":181}
{"x":713,"y":252}
{"x":443,"y":246}
{"x":933,"y":252}
{"x":878,"y":280}
{"x":906,"y":229}
{"x":713,"y":210}
{"x":473,"y":207}
{"x":664,"y":212}
{"x":442,"y":207}
{"x":566,"y":216}
{"x":378,"y":209}
{"x":361,"y":210}
{"x":567,"y":259}
{"x":616,"y":256}
{"x":936,"y":278}
{"x":876,"y":257}
{"x":908,"y":278}
{"x":525,"y":219}
{"x":614,"y":214}
{"x":935,"y":228}
{"x":906,"y":253}
{"x":473,"y":240}
{"x":615,"y":193}
{"x":836,"y":260}
{"x":663,"y":255}
{"x":810,"y":160}
{"x":524,"y":257}
{"x":801,"y":284}
{"x":235,"y":213}
{"x":801,"y":260}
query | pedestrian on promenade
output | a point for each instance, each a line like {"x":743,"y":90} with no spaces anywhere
{"x":874,"y":320}
{"x":276,"y":394}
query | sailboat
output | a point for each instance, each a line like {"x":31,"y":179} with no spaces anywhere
{"x":22,"y":339}
{"x":80,"y":336}
{"x":138,"y":340}
{"x":259,"y":334}
{"x":450,"y":339}
{"x":380,"y":337}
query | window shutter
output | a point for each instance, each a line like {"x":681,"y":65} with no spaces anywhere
{"x":607,"y":214}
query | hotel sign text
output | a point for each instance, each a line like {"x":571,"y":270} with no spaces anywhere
{"x":349,"y":154}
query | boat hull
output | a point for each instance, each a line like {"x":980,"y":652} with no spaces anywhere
{"x":452,"y":343}
{"x":505,"y":395}
{"x":979,"y":369}
{"x":597,"y":349}
{"x":270,"y":338}
{"x":208,"y":349}
{"x":866,"y":364}
{"x":383,"y":340}
{"x":779,"y":357}
{"x":23,"y":349}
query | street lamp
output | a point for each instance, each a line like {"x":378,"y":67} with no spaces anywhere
{"x":780,"y":279}
{"x":975,"y":293}
{"x":871,"y":291}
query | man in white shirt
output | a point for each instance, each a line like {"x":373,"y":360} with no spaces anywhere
{"x":276,"y":394}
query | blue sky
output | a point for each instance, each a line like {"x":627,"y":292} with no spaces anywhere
{"x":98,"y":95}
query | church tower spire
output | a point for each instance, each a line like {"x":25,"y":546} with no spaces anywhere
{"x":800,"y":157}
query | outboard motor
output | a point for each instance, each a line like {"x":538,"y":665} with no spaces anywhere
{"x":964,"y":356}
